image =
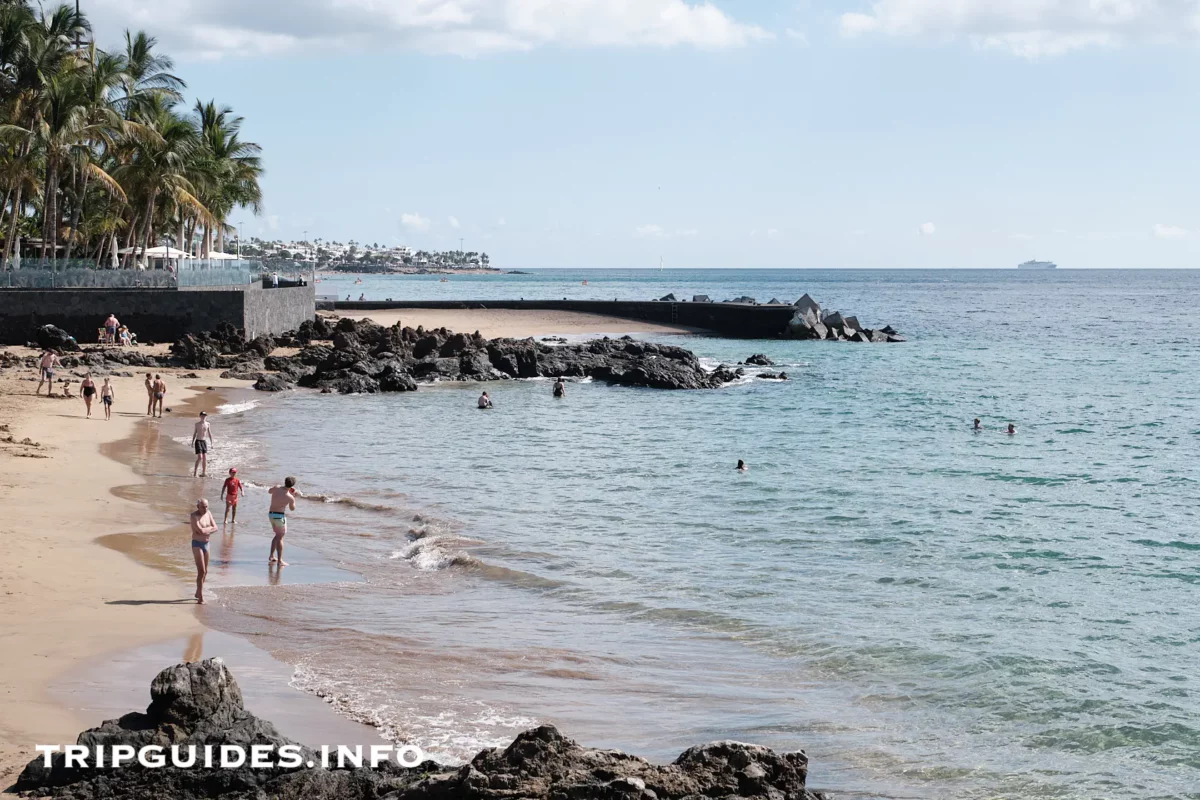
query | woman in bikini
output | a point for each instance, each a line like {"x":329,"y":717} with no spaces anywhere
{"x":87,"y":390}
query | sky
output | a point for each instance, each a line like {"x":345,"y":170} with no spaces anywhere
{"x":731,"y":133}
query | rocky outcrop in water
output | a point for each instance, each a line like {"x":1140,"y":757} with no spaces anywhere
{"x":200,"y":704}
{"x":364,"y":357}
{"x":810,"y":322}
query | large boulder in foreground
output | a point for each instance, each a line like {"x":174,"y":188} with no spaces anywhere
{"x":201,"y":704}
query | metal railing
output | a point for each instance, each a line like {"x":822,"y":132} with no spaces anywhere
{"x":82,"y":274}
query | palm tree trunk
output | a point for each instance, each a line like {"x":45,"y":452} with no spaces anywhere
{"x":76,"y":213}
{"x":47,"y":202}
{"x":149,"y":221}
{"x":12,"y":226}
{"x":129,"y":234}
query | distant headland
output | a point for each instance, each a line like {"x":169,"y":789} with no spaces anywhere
{"x":358,"y":257}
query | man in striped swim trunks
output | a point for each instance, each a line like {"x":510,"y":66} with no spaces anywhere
{"x":283,"y":500}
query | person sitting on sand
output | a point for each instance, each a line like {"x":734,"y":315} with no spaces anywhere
{"x":160,"y":395}
{"x":201,"y":439}
{"x":978,"y":425}
{"x":741,"y":467}
{"x":107,"y":396}
{"x":126,"y":337}
{"x":283,"y":500}
{"x":560,"y":388}
{"x":230,"y":492}
{"x":46,"y":369}
{"x":87,"y":390}
{"x":203,"y":526}
{"x":1011,"y":429}
{"x":66,"y":387}
{"x":485,"y":401}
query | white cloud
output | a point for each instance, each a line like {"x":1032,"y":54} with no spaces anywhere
{"x":1021,"y":237}
{"x":466,"y":27}
{"x":454,"y":223}
{"x":1169,"y":231}
{"x":796,"y":36}
{"x":415,"y":222}
{"x":502,"y":222}
{"x":773,"y":233}
{"x":1031,"y":28}
{"x":927,"y":229}
{"x":659,"y":232}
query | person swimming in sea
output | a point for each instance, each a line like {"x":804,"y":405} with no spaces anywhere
{"x":485,"y":401}
{"x":978,"y":425}
{"x":560,"y":388}
{"x":1011,"y":429}
{"x":741,"y":467}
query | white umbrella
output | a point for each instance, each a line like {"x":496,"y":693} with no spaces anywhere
{"x":217,"y":256}
{"x":113,"y":261}
{"x":162,"y":251}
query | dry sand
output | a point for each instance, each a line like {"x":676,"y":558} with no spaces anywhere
{"x":65,"y":598}
{"x":516,"y":323}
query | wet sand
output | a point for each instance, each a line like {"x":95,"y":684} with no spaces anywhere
{"x":70,"y":602}
{"x":516,"y":323}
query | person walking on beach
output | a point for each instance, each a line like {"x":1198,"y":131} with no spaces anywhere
{"x":149,"y":394}
{"x":87,"y":390}
{"x":46,"y":369}
{"x":107,"y":395}
{"x":203,"y":526}
{"x":160,"y":394}
{"x":485,"y":401}
{"x":201,"y":438}
{"x":230,"y":492}
{"x":560,"y":388}
{"x":283,"y":500}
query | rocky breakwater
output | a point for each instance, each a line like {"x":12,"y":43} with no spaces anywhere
{"x":811,"y":322}
{"x":200,"y":704}
{"x":359,"y":356}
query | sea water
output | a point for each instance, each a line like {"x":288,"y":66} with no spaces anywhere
{"x":928,"y":611}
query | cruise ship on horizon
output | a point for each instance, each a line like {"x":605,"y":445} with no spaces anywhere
{"x":1038,"y":265}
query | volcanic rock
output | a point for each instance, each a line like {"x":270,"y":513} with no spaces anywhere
{"x":201,"y":704}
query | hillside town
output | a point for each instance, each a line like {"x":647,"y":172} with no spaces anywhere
{"x":356,"y":256}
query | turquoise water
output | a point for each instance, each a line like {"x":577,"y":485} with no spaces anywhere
{"x":928,"y":611}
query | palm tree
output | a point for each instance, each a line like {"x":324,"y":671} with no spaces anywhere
{"x":230,"y":167}
{"x":159,"y":170}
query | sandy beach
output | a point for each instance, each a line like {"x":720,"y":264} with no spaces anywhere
{"x":73,"y":600}
{"x":68,"y":599}
{"x":495,"y":323}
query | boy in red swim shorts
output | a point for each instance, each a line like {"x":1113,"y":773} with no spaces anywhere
{"x":231,"y":491}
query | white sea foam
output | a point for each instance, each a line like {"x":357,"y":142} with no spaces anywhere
{"x":237,"y":408}
{"x":433,"y":553}
{"x":450,"y":736}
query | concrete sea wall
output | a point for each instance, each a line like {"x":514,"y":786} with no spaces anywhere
{"x":160,"y":315}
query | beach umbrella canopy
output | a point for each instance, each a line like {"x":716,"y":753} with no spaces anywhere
{"x":162,"y":251}
{"x":217,"y":256}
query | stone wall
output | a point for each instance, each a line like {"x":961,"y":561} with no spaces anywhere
{"x":277,"y":310}
{"x":155,"y":315}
